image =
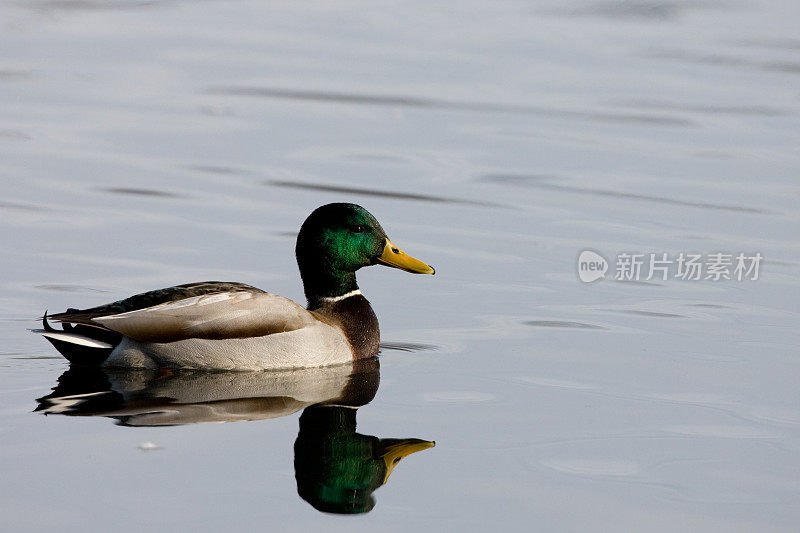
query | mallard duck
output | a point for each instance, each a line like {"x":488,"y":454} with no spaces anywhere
{"x":234,"y":326}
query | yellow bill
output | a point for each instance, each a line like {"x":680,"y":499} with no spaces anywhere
{"x":395,"y":257}
{"x":393,"y":450}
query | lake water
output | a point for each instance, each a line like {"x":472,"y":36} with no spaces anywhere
{"x":146,"y":144}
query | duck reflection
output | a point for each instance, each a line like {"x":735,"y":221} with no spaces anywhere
{"x":173,"y":397}
{"x":336,"y":468}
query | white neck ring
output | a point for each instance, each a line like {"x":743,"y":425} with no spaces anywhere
{"x":334,"y":299}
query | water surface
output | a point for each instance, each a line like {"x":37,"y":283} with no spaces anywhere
{"x":146,"y":144}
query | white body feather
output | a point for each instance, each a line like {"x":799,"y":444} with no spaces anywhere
{"x":217,"y":332}
{"x":317,"y":345}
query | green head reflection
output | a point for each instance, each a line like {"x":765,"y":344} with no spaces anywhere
{"x":337,"y":469}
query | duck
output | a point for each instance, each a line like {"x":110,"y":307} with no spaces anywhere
{"x":214,"y":325}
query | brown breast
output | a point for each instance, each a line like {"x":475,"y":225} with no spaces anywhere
{"x":358,"y":321}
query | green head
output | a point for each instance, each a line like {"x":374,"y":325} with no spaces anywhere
{"x":338,"y":239}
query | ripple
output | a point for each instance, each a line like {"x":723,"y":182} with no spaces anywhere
{"x":724,"y":432}
{"x":653,"y":314}
{"x":694,"y":398}
{"x":68,"y":288}
{"x":408,"y":347}
{"x":216,"y":169}
{"x":544,"y":182}
{"x":135,"y":191}
{"x":374,"y":192}
{"x":640,"y":282}
{"x":458,"y":397}
{"x":593,"y":467}
{"x":635,"y":10}
{"x":15,"y":135}
{"x":434,"y":103}
{"x":16,"y":206}
{"x":785,"y":44}
{"x":771,"y":415}
{"x":788,"y":67}
{"x":36,"y":357}
{"x":746,"y":110}
{"x":90,"y":5}
{"x":556,"y":383}
{"x":13,"y":74}
{"x":560,"y":324}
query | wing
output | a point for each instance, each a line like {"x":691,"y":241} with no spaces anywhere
{"x":150,"y":299}
{"x":222,"y":315}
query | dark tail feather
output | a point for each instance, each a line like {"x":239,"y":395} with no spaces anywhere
{"x":81,"y":345}
{"x":46,"y":325}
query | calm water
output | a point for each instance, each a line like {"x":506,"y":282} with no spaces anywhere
{"x":145,"y":144}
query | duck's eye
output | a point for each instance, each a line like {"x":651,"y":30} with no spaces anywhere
{"x":359,"y":229}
